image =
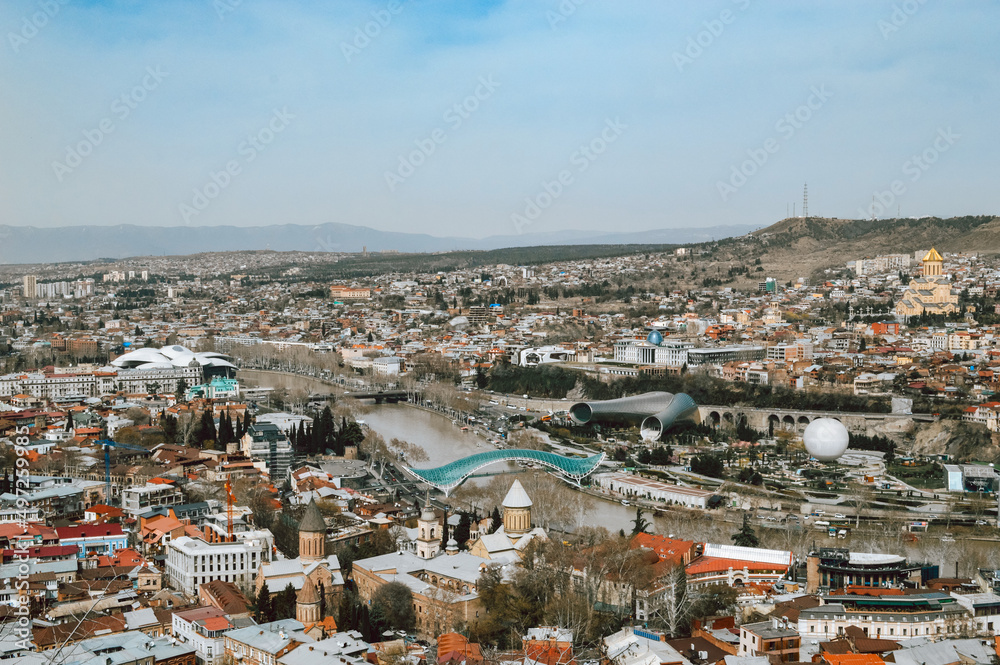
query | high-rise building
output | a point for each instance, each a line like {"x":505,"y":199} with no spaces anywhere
{"x":30,"y":286}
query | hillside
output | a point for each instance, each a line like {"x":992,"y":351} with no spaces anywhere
{"x":798,"y":246}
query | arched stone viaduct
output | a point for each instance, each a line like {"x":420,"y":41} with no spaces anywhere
{"x":796,"y":420}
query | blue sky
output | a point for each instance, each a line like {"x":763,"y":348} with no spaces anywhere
{"x":571,"y":114}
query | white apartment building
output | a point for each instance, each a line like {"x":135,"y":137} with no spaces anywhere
{"x":895,"y":617}
{"x":136,"y":500}
{"x":984,"y":609}
{"x":193,"y":561}
{"x":883,"y":263}
{"x":95,"y":384}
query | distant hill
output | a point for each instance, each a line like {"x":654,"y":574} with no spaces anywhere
{"x":27,"y":244}
{"x":796,"y":246}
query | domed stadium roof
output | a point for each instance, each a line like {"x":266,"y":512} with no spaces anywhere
{"x":169,"y":357}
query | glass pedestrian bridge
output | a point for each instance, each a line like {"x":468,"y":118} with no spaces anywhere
{"x":450,"y":476}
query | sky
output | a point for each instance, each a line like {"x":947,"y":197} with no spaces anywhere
{"x":479,"y":118}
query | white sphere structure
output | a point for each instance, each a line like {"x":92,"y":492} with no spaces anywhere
{"x":826,"y":439}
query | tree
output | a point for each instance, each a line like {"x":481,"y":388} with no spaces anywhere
{"x":392,"y":607}
{"x":207,"y":431}
{"x":746,"y":537}
{"x":640,"y":523}
{"x":674,"y":608}
{"x":284,"y":603}
{"x":481,"y":379}
{"x":226,"y":433}
{"x":708,"y":464}
{"x":463,"y":529}
{"x":168,"y":424}
{"x":265,"y":607}
{"x":495,"y":520}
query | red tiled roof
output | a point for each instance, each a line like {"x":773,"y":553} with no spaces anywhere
{"x":89,"y":531}
{"x":711,"y":564}
{"x":216,"y":623}
{"x":853,"y":659}
{"x":43,"y":551}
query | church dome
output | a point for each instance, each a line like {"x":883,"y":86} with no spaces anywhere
{"x":307,"y":594}
{"x":312,"y":520}
{"x":428,"y":514}
{"x":655,"y":337}
{"x":517,"y":497}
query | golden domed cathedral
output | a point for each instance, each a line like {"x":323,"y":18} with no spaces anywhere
{"x":931,"y":292}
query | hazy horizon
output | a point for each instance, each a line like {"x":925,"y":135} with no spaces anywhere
{"x":477,"y":119}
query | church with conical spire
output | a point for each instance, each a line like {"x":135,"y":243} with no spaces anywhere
{"x":445,"y":582}
{"x":510,"y":539}
{"x":931,"y":293}
{"x":315,"y":575}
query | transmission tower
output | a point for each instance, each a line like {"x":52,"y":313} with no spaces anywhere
{"x":805,"y":200}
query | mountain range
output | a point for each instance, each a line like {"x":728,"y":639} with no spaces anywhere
{"x":29,"y":244}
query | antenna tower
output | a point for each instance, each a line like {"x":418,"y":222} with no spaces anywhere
{"x":805,"y":200}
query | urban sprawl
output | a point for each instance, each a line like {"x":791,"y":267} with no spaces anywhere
{"x":267,"y":458}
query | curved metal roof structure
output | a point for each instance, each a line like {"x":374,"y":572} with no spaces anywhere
{"x":450,"y":476}
{"x":654,"y":412}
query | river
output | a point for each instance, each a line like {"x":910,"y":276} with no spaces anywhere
{"x":445,"y":442}
{"x":442,"y":440}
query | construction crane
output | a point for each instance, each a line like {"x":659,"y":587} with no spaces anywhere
{"x":108,"y":444}
{"x":229,"y":510}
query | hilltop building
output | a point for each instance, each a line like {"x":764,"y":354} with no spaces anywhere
{"x":930,"y":293}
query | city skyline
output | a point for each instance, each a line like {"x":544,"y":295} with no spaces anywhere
{"x":493,"y":118}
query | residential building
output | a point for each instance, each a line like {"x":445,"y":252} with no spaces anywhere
{"x":192,"y":562}
{"x":773,"y":639}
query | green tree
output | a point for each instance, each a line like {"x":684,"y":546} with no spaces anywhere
{"x":284,"y":603}
{"x":463,"y":529}
{"x":265,"y":606}
{"x":206,"y":431}
{"x":392,"y":607}
{"x":746,"y":537}
{"x":708,"y":464}
{"x":495,"y":520}
{"x":640,"y":523}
